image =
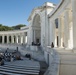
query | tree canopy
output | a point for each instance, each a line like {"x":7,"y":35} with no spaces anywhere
{"x":18,"y":26}
{"x":7,"y":28}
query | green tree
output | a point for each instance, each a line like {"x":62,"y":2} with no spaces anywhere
{"x":6,"y":28}
{"x":18,"y":26}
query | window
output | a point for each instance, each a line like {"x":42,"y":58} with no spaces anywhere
{"x":56,"y":23}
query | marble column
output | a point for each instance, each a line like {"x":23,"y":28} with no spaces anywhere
{"x":50,"y":32}
{"x":24,"y":38}
{"x":74,"y":22}
{"x":7,"y":39}
{"x":34,"y":37}
{"x":27,"y":36}
{"x":66,"y":28}
{"x":62,"y":31}
{"x":2,"y":39}
{"x":12,"y":39}
{"x":16,"y":37}
{"x":31,"y":36}
{"x":21,"y":38}
{"x":54,"y":34}
{"x":55,"y":43}
{"x":59,"y":31}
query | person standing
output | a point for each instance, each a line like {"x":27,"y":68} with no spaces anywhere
{"x":52,"y":45}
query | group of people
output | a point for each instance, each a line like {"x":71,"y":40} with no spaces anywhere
{"x":35,"y":44}
{"x":28,"y":56}
{"x":9,"y":56}
{"x":38,"y":44}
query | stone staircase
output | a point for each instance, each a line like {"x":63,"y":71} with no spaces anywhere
{"x":23,"y":49}
{"x":24,"y":67}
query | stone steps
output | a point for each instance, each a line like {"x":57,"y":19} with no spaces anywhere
{"x":15,"y":71}
{"x":32,"y":66}
{"x":15,"y":68}
{"x":21,"y":67}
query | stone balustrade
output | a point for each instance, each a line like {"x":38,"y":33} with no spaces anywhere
{"x":54,"y":61}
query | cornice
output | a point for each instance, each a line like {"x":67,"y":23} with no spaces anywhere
{"x":54,"y":11}
{"x":41,"y":8}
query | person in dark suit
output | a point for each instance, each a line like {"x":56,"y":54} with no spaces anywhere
{"x":52,"y":45}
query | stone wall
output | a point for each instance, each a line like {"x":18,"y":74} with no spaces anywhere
{"x":53,"y":62}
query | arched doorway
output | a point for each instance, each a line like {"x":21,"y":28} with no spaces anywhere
{"x":36,"y":27}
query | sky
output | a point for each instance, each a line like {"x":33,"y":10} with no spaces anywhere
{"x":14,"y":12}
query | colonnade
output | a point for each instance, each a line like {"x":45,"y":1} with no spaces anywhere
{"x":13,"y":38}
{"x":66,"y":31}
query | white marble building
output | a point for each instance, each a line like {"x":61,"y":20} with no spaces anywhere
{"x":38,"y":20}
{"x":51,"y":23}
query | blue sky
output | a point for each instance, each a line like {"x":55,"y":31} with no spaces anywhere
{"x":13,"y":12}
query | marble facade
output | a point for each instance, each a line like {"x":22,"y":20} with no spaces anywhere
{"x":50,"y":23}
{"x":42,"y":26}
